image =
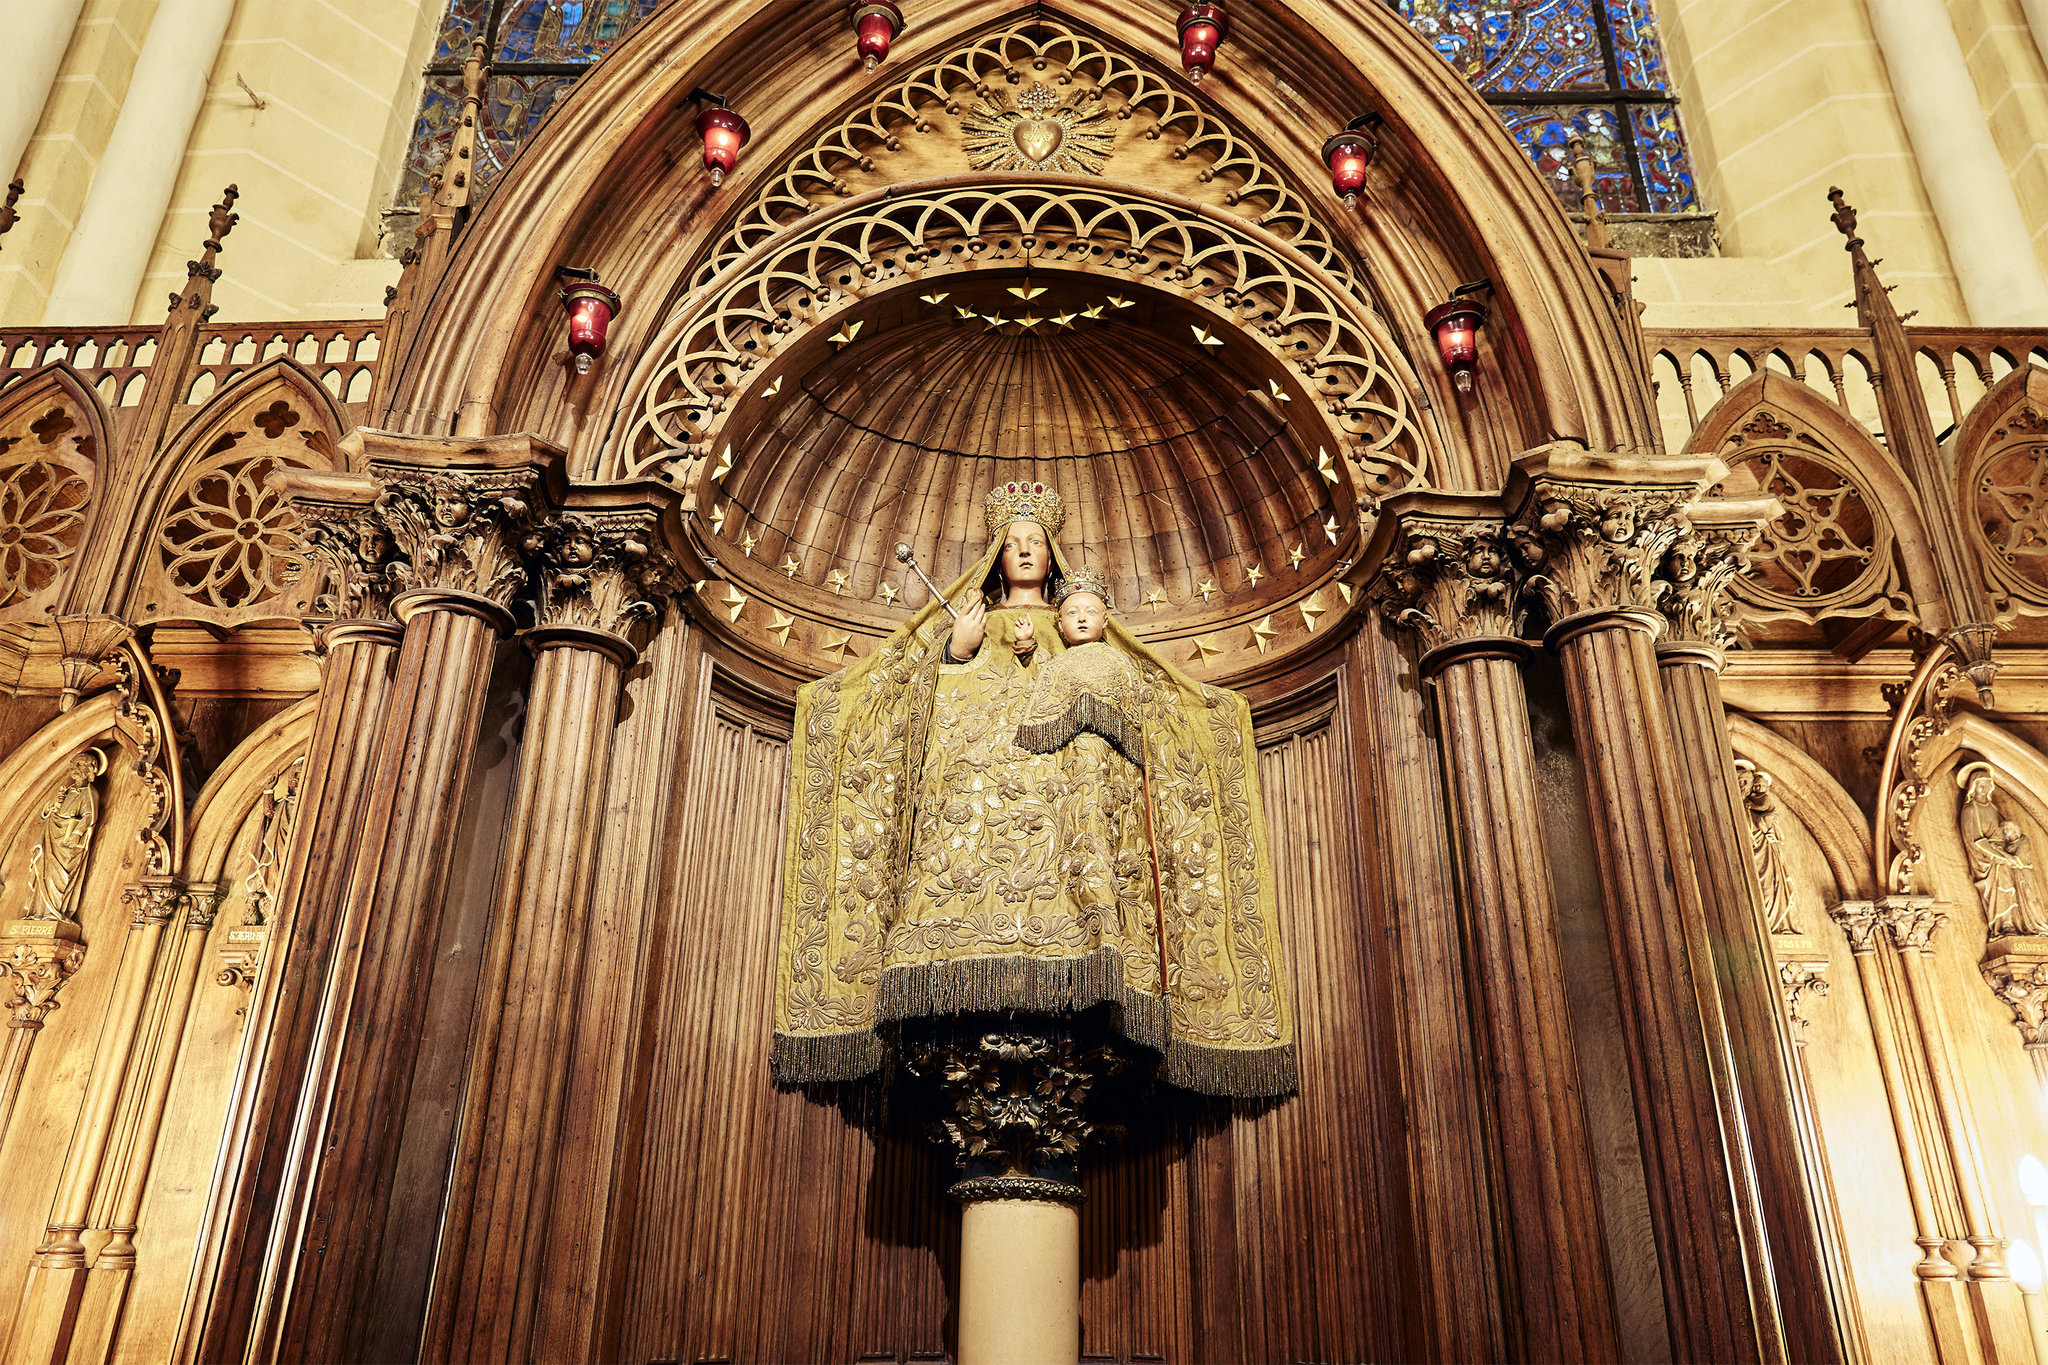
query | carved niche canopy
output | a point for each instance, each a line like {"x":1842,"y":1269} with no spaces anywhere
{"x":2002,"y":485}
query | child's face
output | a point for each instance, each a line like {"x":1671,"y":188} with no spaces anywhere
{"x":1083,"y":618}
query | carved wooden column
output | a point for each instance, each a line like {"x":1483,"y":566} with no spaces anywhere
{"x":1018,"y":1099}
{"x":1590,"y":528}
{"x":601,"y":566}
{"x":1754,"y":1078}
{"x":1445,"y":571}
{"x":56,"y":1276}
{"x":458,"y":512}
{"x":248,"y":1221}
{"x":2016,"y":969}
{"x":1974,"y":1312}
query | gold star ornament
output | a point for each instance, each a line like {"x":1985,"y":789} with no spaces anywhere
{"x":1254,"y":574}
{"x":1206,"y":648}
{"x":889,"y":591}
{"x":1296,"y":555}
{"x":1312,"y":611}
{"x":735,"y":602}
{"x":836,"y":580}
{"x":1263,"y":633}
{"x":838,"y":646}
{"x":1155,"y":599}
{"x":778,"y":626}
{"x":789,"y":565}
{"x":1207,"y":588}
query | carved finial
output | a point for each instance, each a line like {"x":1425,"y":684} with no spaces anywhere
{"x":1844,"y":216}
{"x":222,"y":220}
{"x":1598,"y":238}
{"x":8,"y":217}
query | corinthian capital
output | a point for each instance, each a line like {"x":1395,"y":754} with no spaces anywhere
{"x":339,"y":522}
{"x":1592,"y":528}
{"x":1709,"y":555}
{"x":458,"y":512}
{"x":1444,"y":569}
{"x":2016,"y":969}
{"x":603,"y":564}
{"x":36,"y":959}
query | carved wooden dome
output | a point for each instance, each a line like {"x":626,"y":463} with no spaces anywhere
{"x":1177,"y":458}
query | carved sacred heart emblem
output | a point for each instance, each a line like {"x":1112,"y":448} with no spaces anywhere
{"x":1040,"y":134}
{"x":1037,"y":139}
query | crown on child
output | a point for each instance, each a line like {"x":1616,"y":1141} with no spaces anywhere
{"x":1083,"y":580}
{"x":1008,"y":502}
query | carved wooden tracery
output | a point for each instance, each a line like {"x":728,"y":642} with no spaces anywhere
{"x":1846,"y":545}
{"x":1136,"y":101}
{"x":51,"y":445}
{"x":2001,"y":463}
{"x":728,"y":334}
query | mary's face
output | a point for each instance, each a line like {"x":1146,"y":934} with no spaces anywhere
{"x":1026,"y":558}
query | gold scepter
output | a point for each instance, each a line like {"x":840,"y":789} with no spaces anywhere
{"x":904,"y":556}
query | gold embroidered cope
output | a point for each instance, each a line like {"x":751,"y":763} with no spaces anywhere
{"x":935,"y":867}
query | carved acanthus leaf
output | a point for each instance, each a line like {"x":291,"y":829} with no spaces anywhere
{"x":601,"y":570}
{"x":1019,"y":1099}
{"x":1593,"y":547}
{"x":458,"y":531}
{"x":1451,"y":580}
{"x":35,"y":962}
{"x":357,"y":553}
{"x":1695,"y":577}
{"x":1801,"y":979}
{"x":2018,"y":975}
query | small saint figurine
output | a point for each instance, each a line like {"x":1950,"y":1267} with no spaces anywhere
{"x":2006,"y":887}
{"x":56,"y":865}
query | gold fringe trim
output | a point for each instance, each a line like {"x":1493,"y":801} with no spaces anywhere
{"x":1025,"y":985}
{"x":994,"y":985}
{"x":1085,"y":714}
{"x":816,"y":1058}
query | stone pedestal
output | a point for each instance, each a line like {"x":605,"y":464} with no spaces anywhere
{"x":1017,"y":1098}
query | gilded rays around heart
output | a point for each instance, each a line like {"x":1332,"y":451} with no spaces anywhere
{"x":1039,"y":134}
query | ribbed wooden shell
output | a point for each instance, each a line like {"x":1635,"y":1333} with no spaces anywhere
{"x":1177,"y":466}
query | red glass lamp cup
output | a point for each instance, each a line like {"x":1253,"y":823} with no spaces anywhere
{"x":591,"y":310}
{"x":724,"y":133}
{"x":1348,"y":154}
{"x":1455,"y":325}
{"x":1202,"y":30}
{"x":875,"y":24}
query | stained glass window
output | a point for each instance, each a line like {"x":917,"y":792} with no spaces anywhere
{"x":1555,"y":67}
{"x":538,"y":50}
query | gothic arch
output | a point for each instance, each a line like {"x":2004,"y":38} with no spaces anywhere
{"x":1851,"y":543}
{"x":600,"y":184}
{"x":1810,"y":795}
{"x":231,"y":793}
{"x":2024,"y":766}
{"x":53,"y":461}
{"x":2001,"y":464}
{"x":208,"y":541}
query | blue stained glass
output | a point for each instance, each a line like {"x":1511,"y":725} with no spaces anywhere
{"x":1637,"y":53}
{"x":567,"y":30}
{"x":1667,"y":168}
{"x":1543,"y":131}
{"x":463,"y":26}
{"x":1513,"y":45}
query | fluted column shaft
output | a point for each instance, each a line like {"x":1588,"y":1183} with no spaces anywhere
{"x":596,"y":572}
{"x":1655,"y":928}
{"x":1445,"y":571}
{"x":453,"y":517}
{"x":1591,"y":528}
{"x":248,"y":1217}
{"x":1755,"y":1076}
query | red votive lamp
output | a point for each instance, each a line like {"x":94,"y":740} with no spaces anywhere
{"x":1456,"y":324}
{"x":724,"y":133}
{"x":1202,"y":30}
{"x":591,"y":310}
{"x":875,"y":24}
{"x":1348,"y":154}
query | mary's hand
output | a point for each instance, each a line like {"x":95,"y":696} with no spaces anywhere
{"x":968,"y":630}
{"x":1023,"y":639}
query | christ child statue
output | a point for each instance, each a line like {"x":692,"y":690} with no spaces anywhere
{"x":1090,"y":687}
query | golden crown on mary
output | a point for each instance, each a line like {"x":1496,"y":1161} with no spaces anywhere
{"x":1016,"y":501}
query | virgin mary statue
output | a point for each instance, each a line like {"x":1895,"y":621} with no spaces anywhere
{"x":935,"y":867}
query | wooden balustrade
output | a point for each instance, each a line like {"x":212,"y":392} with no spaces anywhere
{"x":1695,"y":368}
{"x":115,"y":360}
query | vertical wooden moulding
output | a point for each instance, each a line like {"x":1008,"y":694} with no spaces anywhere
{"x":1657,"y":932}
{"x":361,"y":1070}
{"x":1789,"y":1228}
{"x":236,"y":1254}
{"x":1558,"y":1299}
